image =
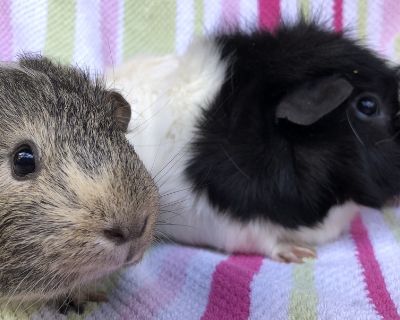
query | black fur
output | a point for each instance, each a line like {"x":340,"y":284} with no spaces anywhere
{"x":250,"y":165}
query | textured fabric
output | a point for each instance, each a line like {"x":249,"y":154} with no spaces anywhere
{"x":356,"y":277}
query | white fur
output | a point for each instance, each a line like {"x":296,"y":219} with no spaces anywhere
{"x":199,"y":224}
{"x":166,"y":96}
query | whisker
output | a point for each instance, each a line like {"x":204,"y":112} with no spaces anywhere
{"x":353,"y":129}
{"x":165,"y":237}
{"x":142,"y":126}
{"x":174,"y":158}
{"x":175,"y":225}
{"x":388,"y":139}
{"x":16,"y":288}
{"x":234,"y":163}
{"x":174,"y":192}
{"x":175,"y":213}
{"x":173,"y":203}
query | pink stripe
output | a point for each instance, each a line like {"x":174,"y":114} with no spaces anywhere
{"x":375,"y":282}
{"x":5,"y":30}
{"x":269,"y":13}
{"x":391,"y":23}
{"x":338,"y":15}
{"x":109,"y":30}
{"x":230,"y":288}
{"x":230,"y":12}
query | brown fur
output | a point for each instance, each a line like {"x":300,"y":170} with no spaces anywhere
{"x":89,"y":179}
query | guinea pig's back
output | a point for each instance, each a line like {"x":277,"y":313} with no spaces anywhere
{"x":166,"y":95}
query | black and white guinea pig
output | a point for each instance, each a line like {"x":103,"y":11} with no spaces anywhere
{"x":266,"y":142}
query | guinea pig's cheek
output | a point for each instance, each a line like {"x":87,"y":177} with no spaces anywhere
{"x":74,"y":234}
{"x":9,"y":185}
{"x":73,"y":223}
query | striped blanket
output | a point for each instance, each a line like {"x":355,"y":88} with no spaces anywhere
{"x":102,"y":33}
{"x":356,"y":277}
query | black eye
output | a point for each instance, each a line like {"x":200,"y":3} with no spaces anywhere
{"x":24,"y":161}
{"x":367,"y":105}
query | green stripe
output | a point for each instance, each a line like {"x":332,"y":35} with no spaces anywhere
{"x":392,"y":222}
{"x":305,"y":8}
{"x":198,"y":18}
{"x":61,"y":30}
{"x":149,"y":26}
{"x":397,"y":46}
{"x":303,"y":300}
{"x":362,"y":18}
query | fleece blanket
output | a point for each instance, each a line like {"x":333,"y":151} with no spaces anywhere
{"x":355,"y":277}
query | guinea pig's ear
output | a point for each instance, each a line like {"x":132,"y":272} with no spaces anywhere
{"x":313,"y":100}
{"x":121,"y":110}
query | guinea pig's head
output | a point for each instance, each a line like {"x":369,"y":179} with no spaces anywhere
{"x":306,"y":120}
{"x":76,"y":201}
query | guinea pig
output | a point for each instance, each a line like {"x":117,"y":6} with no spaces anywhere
{"x":76,"y":201}
{"x":266,"y":142}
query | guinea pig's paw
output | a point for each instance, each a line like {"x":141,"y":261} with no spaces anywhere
{"x":394,"y":202}
{"x":77,"y":302}
{"x":69,"y":304}
{"x":98,"y":296}
{"x":284,"y":252}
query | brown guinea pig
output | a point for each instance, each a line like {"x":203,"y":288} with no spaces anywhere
{"x":76,"y":201}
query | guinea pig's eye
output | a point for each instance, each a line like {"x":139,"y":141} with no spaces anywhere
{"x":367,"y":105}
{"x":23,"y":161}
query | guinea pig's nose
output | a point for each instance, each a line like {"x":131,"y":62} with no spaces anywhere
{"x":122,"y":234}
{"x":116,"y":235}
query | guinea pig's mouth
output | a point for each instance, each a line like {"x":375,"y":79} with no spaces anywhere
{"x":133,"y":258}
{"x":103,"y":262}
{"x":121,"y":257}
